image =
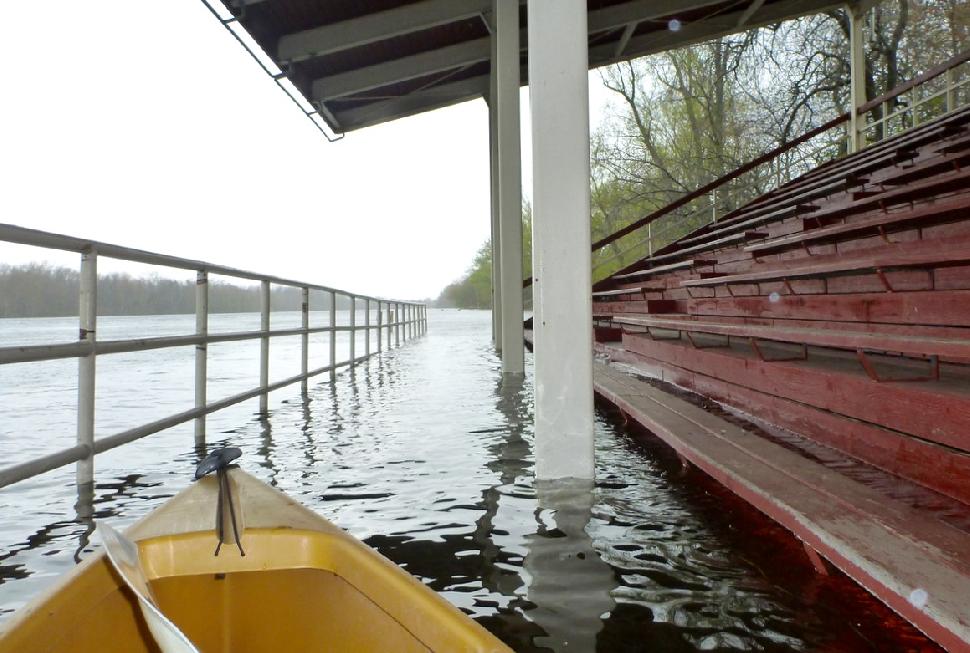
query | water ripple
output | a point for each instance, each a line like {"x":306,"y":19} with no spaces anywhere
{"x":425,"y":454}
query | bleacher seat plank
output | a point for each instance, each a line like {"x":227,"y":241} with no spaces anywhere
{"x":822,"y":337}
{"x":924,"y":214}
{"x":888,"y":548}
{"x":671,"y":267}
{"x":899,"y":406}
{"x":921,"y":253}
{"x":944,"y":308}
{"x":933,"y":466}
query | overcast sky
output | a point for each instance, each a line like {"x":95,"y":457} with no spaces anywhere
{"x":144,"y":123}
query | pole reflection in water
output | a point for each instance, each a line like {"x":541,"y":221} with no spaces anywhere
{"x":568,"y":582}
{"x":84,"y":515}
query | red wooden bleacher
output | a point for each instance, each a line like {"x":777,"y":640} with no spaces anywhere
{"x":836,"y":306}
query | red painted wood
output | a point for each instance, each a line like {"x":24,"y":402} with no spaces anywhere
{"x":922,"y":253}
{"x":607,"y":334}
{"x":938,"y":211}
{"x":938,"y":468}
{"x":962,"y":333}
{"x":886,"y":549}
{"x":873,"y":341}
{"x":617,"y":308}
{"x":670,"y":267}
{"x":948,"y":308}
{"x":923,"y":409}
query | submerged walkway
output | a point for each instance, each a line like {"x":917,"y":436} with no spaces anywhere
{"x":916,"y":564}
{"x":427,"y":456}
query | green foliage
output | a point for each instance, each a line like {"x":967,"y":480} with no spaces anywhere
{"x":474,"y":289}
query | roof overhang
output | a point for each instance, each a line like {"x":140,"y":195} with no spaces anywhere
{"x":364,"y":62}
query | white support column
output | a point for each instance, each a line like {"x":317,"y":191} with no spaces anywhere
{"x":380,"y":331}
{"x":333,"y":335}
{"x":201,"y":351}
{"x":857,"y":76}
{"x":87,"y":369}
{"x":493,"y":189}
{"x":366,"y":328}
{"x":353,"y":331}
{"x":559,"y":97}
{"x":264,"y":309}
{"x":305,"y":341}
{"x":506,"y":101}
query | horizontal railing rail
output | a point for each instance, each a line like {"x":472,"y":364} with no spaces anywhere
{"x":395,"y":320}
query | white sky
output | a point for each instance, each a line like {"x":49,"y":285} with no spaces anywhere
{"x":144,"y":123}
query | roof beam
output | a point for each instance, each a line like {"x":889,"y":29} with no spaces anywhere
{"x":624,"y":39}
{"x":600,"y":55}
{"x":399,"y":70}
{"x":749,"y":12}
{"x":703,"y":30}
{"x":638,"y":11}
{"x":413,"y":103}
{"x":375,"y":27}
{"x":350,"y":82}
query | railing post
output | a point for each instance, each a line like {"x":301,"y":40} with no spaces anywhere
{"x":912,"y":103}
{"x":367,"y":328}
{"x":390,"y":327}
{"x":353,"y":331}
{"x":951,"y":98}
{"x":86,"y":373}
{"x":333,"y":335}
{"x":201,"y":351}
{"x":857,"y":78}
{"x":397,"y":324}
{"x":650,"y":239}
{"x":380,"y":327}
{"x":305,"y":340}
{"x":264,"y":309}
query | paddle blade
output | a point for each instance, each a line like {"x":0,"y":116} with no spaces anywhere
{"x":123,"y":554}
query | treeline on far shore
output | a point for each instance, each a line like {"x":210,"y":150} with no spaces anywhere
{"x":39,"y":290}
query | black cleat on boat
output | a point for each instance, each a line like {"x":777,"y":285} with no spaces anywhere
{"x":217,"y":460}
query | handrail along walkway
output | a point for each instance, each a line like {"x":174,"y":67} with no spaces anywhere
{"x":395,"y":318}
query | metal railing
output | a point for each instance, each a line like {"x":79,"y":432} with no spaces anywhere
{"x":395,"y":320}
{"x":934,"y":93}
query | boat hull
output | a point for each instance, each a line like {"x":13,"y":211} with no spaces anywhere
{"x":303,"y":584}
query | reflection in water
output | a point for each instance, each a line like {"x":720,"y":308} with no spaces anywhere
{"x":266,"y":446}
{"x":426,"y":454}
{"x":84,"y":516}
{"x":570,"y":584}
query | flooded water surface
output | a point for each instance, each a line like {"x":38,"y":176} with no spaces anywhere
{"x":426,"y":454}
